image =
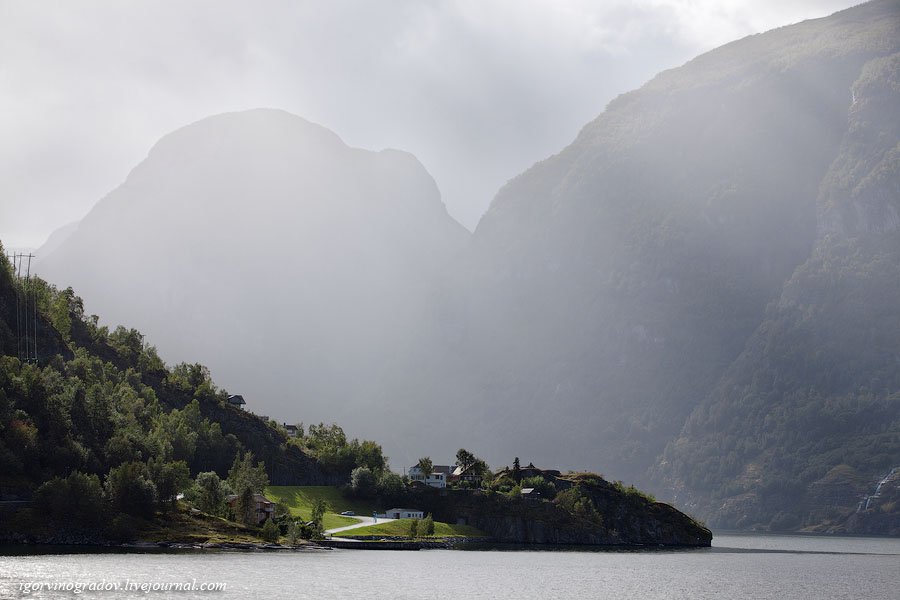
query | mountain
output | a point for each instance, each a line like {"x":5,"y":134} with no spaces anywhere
{"x":808,"y":415}
{"x":610,"y":287}
{"x":699,"y":294}
{"x":262,"y":245}
{"x":56,"y":239}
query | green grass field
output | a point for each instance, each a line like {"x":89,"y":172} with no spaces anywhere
{"x":300,"y":498}
{"x":401,"y":528}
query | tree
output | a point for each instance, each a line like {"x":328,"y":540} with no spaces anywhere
{"x":294,"y":532}
{"x":464,"y":459}
{"x":130,"y":490}
{"x":76,"y":500}
{"x":481,"y":471}
{"x":517,"y":470}
{"x":425,"y":467}
{"x":471,"y":466}
{"x":363,"y":482}
{"x":170,"y":478}
{"x":391,"y":487}
{"x":414,"y":528}
{"x":319,"y":508}
{"x":427,"y":525}
{"x":245,"y":507}
{"x":245,"y":472}
{"x":368,"y":454}
{"x":209,"y":492}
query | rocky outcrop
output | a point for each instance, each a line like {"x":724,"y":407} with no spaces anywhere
{"x":624,"y":519}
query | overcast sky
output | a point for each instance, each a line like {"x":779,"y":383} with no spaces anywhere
{"x":478,"y":90}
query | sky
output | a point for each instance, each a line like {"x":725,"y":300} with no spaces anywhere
{"x":478,"y":90}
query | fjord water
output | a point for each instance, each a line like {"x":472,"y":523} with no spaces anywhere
{"x":737,"y":566}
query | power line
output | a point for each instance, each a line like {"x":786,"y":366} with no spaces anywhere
{"x":30,"y":286}
{"x":17,"y":268}
{"x":26,"y":321}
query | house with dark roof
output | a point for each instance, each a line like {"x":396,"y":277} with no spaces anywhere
{"x":237,"y":401}
{"x":263,"y":509}
{"x":470,"y":474}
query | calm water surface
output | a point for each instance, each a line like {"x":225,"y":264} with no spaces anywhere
{"x":738,"y":566}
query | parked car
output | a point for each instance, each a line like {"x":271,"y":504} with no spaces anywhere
{"x":348,"y":513}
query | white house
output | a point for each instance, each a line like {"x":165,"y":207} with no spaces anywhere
{"x":436,"y":479}
{"x":404,"y":513}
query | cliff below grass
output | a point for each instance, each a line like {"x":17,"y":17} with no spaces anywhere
{"x":587,"y":510}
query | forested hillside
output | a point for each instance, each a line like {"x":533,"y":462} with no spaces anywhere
{"x":95,"y":400}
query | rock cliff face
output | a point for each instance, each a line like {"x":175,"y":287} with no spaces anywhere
{"x":816,"y":391}
{"x":611,"y":289}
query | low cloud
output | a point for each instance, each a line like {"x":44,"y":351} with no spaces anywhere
{"x":477,"y":90}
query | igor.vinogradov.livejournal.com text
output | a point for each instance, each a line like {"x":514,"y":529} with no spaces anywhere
{"x":125,"y":585}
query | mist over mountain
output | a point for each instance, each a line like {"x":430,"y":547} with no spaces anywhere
{"x":810,"y":410}
{"x":699,"y":293}
{"x":610,"y":286}
{"x":265,"y":247}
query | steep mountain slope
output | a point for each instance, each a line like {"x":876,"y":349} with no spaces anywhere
{"x":816,"y":392}
{"x":96,"y":399}
{"x":263,"y":246}
{"x":699,"y":292}
{"x":610,"y":286}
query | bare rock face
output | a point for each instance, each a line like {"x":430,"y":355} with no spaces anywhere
{"x":820,"y":371}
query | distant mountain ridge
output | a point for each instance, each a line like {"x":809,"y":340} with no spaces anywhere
{"x":262,"y":244}
{"x":698,"y":294}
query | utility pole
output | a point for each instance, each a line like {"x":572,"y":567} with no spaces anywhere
{"x":26,"y":321}
{"x":17,"y":269}
{"x":33,"y":288}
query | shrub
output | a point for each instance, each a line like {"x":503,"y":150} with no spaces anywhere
{"x":633,"y":492}
{"x":547,"y":489}
{"x":270,"y":531}
{"x":427,"y":525}
{"x":414,"y":528}
{"x":578,"y":504}
{"x":123,"y":528}
{"x":294,"y":532}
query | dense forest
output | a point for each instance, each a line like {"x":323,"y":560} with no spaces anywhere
{"x":97,"y":413}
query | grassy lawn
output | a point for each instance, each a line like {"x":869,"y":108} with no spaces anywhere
{"x":300,"y":498}
{"x":401,"y":528}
